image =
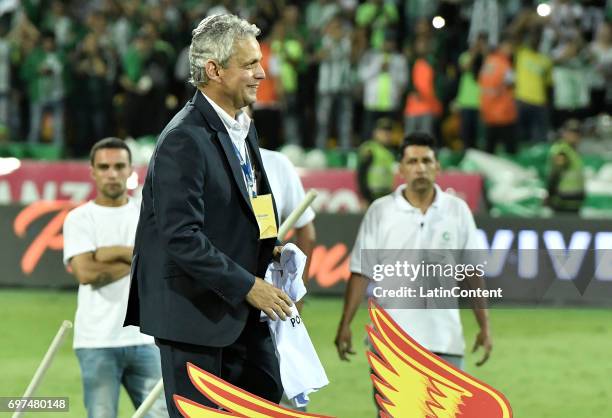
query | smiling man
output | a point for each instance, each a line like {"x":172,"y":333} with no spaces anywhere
{"x":98,"y":244}
{"x":208,"y":227}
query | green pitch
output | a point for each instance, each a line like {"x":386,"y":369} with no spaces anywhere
{"x":550,"y":363}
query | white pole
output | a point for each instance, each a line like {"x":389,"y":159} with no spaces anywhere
{"x":297,"y":212}
{"x":282,"y":231}
{"x":150,"y":400}
{"x":45,"y":363}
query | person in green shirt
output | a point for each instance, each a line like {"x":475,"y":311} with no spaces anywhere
{"x":566,"y":176}
{"x":145,"y":80}
{"x":379,"y":16}
{"x":288,"y":51}
{"x":43,"y":72}
{"x":375,"y":170}
{"x":468,"y":95}
{"x":6,"y":53}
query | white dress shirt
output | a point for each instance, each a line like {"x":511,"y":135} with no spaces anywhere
{"x":237,"y":129}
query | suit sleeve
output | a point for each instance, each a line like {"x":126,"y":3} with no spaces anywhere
{"x":177,"y":186}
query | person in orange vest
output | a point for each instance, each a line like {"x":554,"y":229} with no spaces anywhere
{"x":267,"y":109}
{"x":422,"y":106}
{"x":497,"y":105}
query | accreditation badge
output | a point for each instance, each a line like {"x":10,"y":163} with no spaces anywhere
{"x":264,"y":213}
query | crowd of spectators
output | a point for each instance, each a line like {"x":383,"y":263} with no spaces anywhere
{"x":72,"y":72}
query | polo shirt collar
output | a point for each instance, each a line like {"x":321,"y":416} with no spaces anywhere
{"x":403,"y":203}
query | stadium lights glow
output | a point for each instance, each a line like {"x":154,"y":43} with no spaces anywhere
{"x":132,"y":181}
{"x":438,"y":22}
{"x":543,"y":9}
{"x":8,"y":165}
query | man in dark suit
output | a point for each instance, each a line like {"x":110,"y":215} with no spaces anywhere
{"x":200,"y":248}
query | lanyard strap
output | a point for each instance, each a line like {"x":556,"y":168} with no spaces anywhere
{"x":247,"y":170}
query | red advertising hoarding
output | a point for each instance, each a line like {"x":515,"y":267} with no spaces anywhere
{"x":338,"y":192}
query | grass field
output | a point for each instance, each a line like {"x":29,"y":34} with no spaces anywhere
{"x":550,"y":363}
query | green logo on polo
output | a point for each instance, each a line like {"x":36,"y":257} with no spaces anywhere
{"x":446,"y":236}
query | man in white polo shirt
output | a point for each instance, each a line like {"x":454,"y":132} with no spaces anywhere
{"x":417,"y":216}
{"x":98,"y":245}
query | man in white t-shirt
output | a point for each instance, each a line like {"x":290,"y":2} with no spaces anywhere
{"x":288,"y":194}
{"x":98,"y":244}
{"x":417,"y":216}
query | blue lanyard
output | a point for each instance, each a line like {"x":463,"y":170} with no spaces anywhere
{"x":247,"y":170}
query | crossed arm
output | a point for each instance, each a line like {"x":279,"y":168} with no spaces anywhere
{"x":102,"y":267}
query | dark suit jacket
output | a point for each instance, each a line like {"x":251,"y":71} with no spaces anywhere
{"x":197,"y":244}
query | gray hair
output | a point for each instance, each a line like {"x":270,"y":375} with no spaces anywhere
{"x":214,"y":39}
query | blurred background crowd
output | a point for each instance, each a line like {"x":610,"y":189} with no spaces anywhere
{"x":334,"y":67}
{"x":499,"y":76}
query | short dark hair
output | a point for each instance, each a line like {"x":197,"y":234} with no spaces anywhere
{"x":111,"y":142}
{"x":422,"y":139}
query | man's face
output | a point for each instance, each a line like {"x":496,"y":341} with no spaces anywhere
{"x":481,"y":43}
{"x":243,"y":73}
{"x":507,"y":48}
{"x":421,"y":46}
{"x":572,"y":137}
{"x":291,"y":15}
{"x":48,"y":44}
{"x":419,"y":168}
{"x":383,"y":136}
{"x":111,"y":169}
{"x":604,"y":33}
{"x":334,"y":29}
{"x":389,"y":46}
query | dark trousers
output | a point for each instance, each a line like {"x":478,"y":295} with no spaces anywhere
{"x":532,"y":123}
{"x":249,"y":363}
{"x":501,"y":133}
{"x":469,"y":127}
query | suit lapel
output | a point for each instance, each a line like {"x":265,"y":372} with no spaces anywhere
{"x":251,"y":140}
{"x":232,"y":159}
{"x":224,"y":139}
{"x":264,"y":185}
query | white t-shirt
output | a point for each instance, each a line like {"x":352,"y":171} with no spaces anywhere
{"x":286,"y":186}
{"x":300,"y":368}
{"x":392,"y":223}
{"x":100,"y":312}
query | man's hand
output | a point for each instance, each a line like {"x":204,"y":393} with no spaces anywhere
{"x":354,"y":294}
{"x":272,"y":301}
{"x":483,"y":339}
{"x":276,"y":253}
{"x":344,"y":342}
